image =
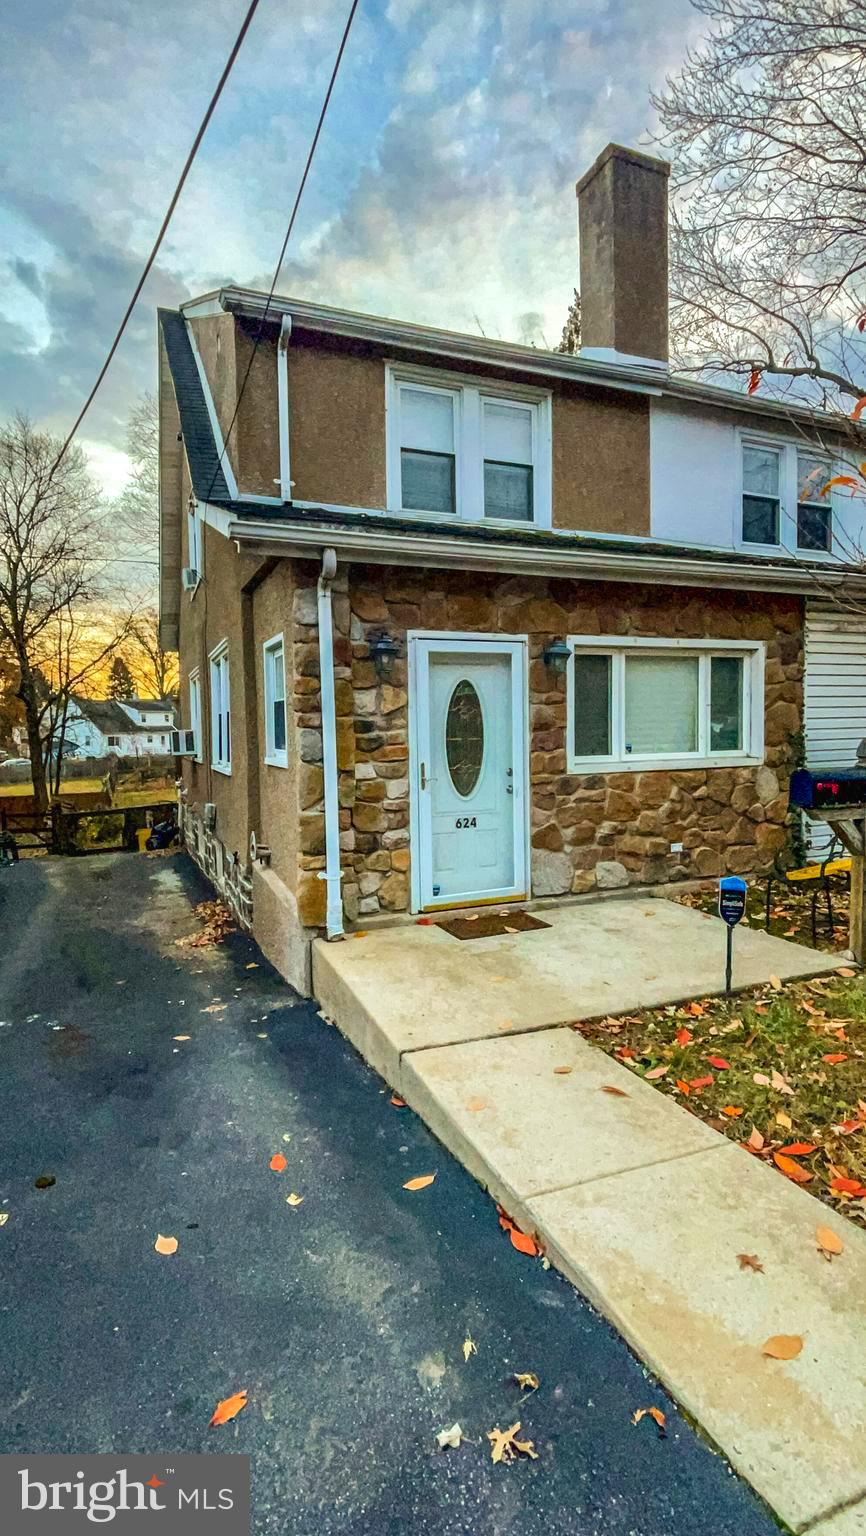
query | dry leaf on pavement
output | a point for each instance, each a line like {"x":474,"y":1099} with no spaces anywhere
{"x":563,"y":1071}
{"x":452,"y":1437}
{"x":618,"y":1093}
{"x":783,"y":1346}
{"x":750,"y":1261}
{"x":181,"y":1037}
{"x":523,"y":1242}
{"x":4,"y":1217}
{"x":278,"y":1163}
{"x":165,"y":1244}
{"x":421,"y":1182}
{"x":828,"y":1243}
{"x":655,"y":1414}
{"x":474,"y":1105}
{"x":294,"y":1199}
{"x":397,"y":1102}
{"x":527,"y":1381}
{"x":469,"y":1347}
{"x":506,"y":1447}
{"x":228,"y":1408}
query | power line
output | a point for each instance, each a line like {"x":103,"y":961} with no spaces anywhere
{"x":236,"y":48}
{"x":288,"y":235}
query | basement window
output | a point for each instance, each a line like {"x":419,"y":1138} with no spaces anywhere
{"x":273,"y":653}
{"x":634,"y":703}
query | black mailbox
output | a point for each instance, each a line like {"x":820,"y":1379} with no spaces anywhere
{"x":827,"y":789}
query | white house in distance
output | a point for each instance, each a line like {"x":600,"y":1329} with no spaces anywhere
{"x":124,"y":727}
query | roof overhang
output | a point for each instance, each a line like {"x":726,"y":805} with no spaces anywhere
{"x":650,"y":378}
{"x":368,"y":546}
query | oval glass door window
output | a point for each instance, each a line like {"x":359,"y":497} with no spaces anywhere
{"x":464,"y":738}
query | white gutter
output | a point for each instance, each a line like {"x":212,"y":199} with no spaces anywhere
{"x":376,"y":547}
{"x":331,"y":873}
{"x":285,"y":481}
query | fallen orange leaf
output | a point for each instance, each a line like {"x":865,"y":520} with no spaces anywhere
{"x":834,"y":1058}
{"x":828,"y":1242}
{"x":683,"y":1087}
{"x":846,"y":972}
{"x":278,"y":1163}
{"x":750,"y":1261}
{"x":421,"y":1182}
{"x":397,"y":1102}
{"x":701,"y":1082}
{"x":719,"y":1063}
{"x":474,"y":1105}
{"x":655,"y":1074}
{"x":755,"y":1141}
{"x":791,"y":1169}
{"x":522,"y":1242}
{"x":696,"y":1010}
{"x":165,"y":1244}
{"x":684,"y":1036}
{"x":783,"y":1346}
{"x":799,"y":1149}
{"x":653,"y":1413}
{"x":845,"y":1186}
{"x":229,"y":1408}
{"x":563,"y":1071}
{"x":731,"y":1111}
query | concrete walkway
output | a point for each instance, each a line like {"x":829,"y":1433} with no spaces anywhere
{"x":641,"y":1205}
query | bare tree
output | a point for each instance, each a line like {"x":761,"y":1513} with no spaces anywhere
{"x":766,"y":129}
{"x":49,"y":581}
{"x":154,"y":670}
{"x":136,"y":510}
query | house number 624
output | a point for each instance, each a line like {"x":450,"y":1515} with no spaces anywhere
{"x":465,"y":821}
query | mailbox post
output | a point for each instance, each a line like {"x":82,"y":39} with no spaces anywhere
{"x":837,"y":796}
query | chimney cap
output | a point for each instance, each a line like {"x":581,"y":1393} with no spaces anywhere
{"x":630,"y":156}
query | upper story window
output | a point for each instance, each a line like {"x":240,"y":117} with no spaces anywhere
{"x":220,"y":710}
{"x":761,"y":494}
{"x":783,"y":507}
{"x":456,"y":449}
{"x":814,"y":510}
{"x":276,"y":752}
{"x":663,"y":704}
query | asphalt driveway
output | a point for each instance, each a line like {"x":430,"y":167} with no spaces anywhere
{"x":344,"y":1316}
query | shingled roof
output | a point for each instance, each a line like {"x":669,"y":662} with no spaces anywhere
{"x":108,"y":717}
{"x":205,"y":467}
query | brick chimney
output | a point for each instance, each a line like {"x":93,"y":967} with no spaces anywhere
{"x":622,"y":205}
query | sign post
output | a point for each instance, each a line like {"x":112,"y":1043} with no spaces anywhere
{"x":732,"y":906}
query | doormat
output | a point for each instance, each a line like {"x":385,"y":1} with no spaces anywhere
{"x":487,"y":925}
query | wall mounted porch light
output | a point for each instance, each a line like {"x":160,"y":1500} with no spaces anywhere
{"x":555,"y":655}
{"x":383,"y":651}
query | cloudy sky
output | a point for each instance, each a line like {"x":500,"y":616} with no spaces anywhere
{"x":443,"y":189}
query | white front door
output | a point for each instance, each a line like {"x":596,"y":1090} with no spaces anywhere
{"x":469,"y":770}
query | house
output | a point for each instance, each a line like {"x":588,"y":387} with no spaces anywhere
{"x":123,"y":727}
{"x":463,"y":622}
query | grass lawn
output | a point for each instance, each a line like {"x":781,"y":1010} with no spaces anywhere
{"x":781,"y":1070}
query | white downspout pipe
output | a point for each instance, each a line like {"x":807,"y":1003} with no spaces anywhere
{"x":285,"y":481}
{"x":331,"y":873}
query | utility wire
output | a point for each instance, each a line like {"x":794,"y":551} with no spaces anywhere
{"x":288,"y":235}
{"x":196,"y":143}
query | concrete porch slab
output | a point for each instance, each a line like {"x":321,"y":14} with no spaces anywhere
{"x":848,"y":1522}
{"x":413,"y":987}
{"x":655,"y":1249}
{"x":507,"y":1144}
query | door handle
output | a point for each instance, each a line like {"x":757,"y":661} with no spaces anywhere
{"x":423,"y":776}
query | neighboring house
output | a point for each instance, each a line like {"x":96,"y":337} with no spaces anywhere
{"x":122,"y":727}
{"x":466,"y":622}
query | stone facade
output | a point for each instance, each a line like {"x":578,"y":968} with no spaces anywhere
{"x":588,"y":831}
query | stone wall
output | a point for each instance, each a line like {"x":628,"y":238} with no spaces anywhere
{"x":588,"y":831}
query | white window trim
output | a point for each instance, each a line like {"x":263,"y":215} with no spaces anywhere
{"x":273,"y":758}
{"x":787,"y":545}
{"x":216,"y":657}
{"x":752,"y":752}
{"x":469,"y":394}
{"x":195,"y":544}
{"x":195,"y":712}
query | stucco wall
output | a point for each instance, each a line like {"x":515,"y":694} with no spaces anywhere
{"x":278,"y":787}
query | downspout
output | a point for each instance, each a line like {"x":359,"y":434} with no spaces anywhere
{"x":331,"y":872}
{"x":285,"y":481}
